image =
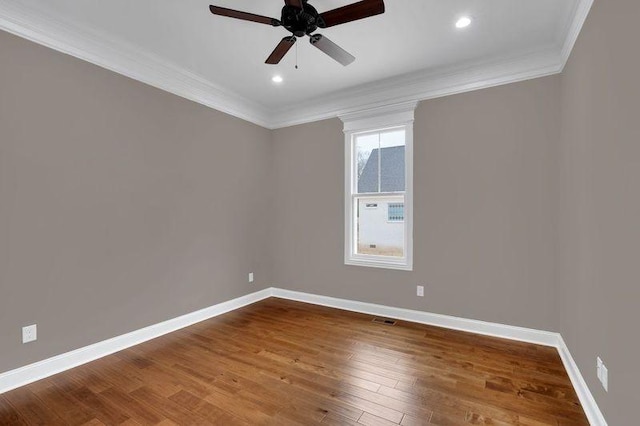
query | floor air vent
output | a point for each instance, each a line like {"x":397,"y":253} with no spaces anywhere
{"x":385,"y":321}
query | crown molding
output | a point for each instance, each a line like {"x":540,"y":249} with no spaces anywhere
{"x":572,"y":32}
{"x":121,"y":57}
{"x":421,"y":86}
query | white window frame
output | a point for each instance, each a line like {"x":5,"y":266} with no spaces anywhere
{"x":379,"y":119}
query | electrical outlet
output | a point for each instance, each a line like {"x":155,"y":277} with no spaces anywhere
{"x":29,"y":333}
{"x":420,"y":291}
{"x":250,"y":277}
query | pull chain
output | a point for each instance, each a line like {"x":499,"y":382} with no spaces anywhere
{"x":296,"y":55}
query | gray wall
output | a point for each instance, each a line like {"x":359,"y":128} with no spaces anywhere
{"x":599,"y":240}
{"x":120,"y":205}
{"x":485,"y":209}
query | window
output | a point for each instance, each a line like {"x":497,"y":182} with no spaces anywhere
{"x":395,"y":212}
{"x":378,"y":188}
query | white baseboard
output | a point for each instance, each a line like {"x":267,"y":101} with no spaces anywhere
{"x":30,"y":373}
{"x":521,"y":334}
{"x":546,"y":338}
{"x":587,"y":400}
{"x":48,"y":367}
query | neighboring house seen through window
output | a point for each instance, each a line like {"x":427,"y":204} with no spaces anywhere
{"x":378,"y":192}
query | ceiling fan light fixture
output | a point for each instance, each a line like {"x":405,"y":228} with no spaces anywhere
{"x":302,"y":19}
{"x":463,"y":22}
{"x":277,"y":79}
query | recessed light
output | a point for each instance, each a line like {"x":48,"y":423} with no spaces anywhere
{"x":277,"y":79}
{"x":463,"y":22}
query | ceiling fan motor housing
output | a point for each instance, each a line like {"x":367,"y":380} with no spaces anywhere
{"x":301,"y":21}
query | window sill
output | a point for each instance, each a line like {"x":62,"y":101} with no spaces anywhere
{"x":382,"y":264}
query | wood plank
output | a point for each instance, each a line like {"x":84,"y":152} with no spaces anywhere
{"x":9,"y":415}
{"x":285,"y":363}
{"x":371,"y":420}
{"x":31,"y":408}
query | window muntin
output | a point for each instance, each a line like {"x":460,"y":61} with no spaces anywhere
{"x":377,"y":197}
{"x":380,"y":180}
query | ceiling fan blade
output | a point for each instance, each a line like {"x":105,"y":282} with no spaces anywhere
{"x":294,"y":3}
{"x":223,"y":11}
{"x":281,"y":49}
{"x":351,"y":12}
{"x":332,"y":49}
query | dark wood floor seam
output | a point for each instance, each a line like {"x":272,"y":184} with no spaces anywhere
{"x":280,"y":362}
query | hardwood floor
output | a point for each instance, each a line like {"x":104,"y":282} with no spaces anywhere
{"x":280,"y":362}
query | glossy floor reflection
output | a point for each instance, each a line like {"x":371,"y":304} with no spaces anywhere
{"x":281,"y":362}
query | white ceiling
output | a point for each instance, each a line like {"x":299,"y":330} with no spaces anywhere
{"x":412,"y":51}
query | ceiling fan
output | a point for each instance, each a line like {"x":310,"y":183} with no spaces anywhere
{"x":300,"y":18}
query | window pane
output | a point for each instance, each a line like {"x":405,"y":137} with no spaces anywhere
{"x":376,"y":233}
{"x":366,"y":150}
{"x":392,"y":156}
{"x":391,"y":138}
{"x":395,"y":212}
